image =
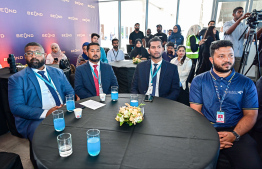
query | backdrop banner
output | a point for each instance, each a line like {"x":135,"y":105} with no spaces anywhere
{"x":69,"y":23}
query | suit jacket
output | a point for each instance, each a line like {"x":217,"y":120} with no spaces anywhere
{"x":84,"y":81}
{"x":25,"y":98}
{"x":168,"y":81}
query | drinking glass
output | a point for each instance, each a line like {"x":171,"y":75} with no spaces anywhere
{"x":134,"y":100}
{"x":59,"y":121}
{"x":64,"y":141}
{"x":70,"y":102}
{"x":114,"y":93}
{"x":93,"y":142}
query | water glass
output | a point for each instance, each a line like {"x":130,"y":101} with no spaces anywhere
{"x":134,"y":100}
{"x":59,"y":121}
{"x":93,"y":142}
{"x":64,"y":141}
{"x":114,"y":93}
{"x":70,"y":102}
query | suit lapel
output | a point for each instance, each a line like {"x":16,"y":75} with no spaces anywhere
{"x":102,"y":73}
{"x":90,"y":77}
{"x":55,"y":79}
{"x":162,"y":73}
{"x":33,"y":79}
{"x":147,"y":72}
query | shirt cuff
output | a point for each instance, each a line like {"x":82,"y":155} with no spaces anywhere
{"x":43,"y":114}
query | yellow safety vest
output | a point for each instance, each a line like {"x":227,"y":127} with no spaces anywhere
{"x":189,"y":53}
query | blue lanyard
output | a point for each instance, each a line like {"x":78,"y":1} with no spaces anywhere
{"x":49,"y":82}
{"x":98,"y":78}
{"x":217,"y":91}
{"x":155,"y":72}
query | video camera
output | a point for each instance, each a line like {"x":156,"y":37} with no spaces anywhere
{"x":254,"y":18}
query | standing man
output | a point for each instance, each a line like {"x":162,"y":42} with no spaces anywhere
{"x":229,"y":101}
{"x":233,"y":30}
{"x":148,"y":37}
{"x":136,"y":34}
{"x":36,"y":91}
{"x":115,"y":54}
{"x":156,"y":76}
{"x":94,"y":77}
{"x":161,"y":35}
{"x":203,"y":31}
{"x":94,"y":39}
{"x":170,"y":53}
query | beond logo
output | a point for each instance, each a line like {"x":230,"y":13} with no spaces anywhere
{"x":73,"y":18}
{"x":34,"y":13}
{"x":66,"y":35}
{"x":79,"y":3}
{"x":48,"y":35}
{"x":80,"y":35}
{"x":7,"y":10}
{"x":90,"y":6}
{"x":16,"y":57}
{"x":86,"y":20}
{"x":65,"y":0}
{"x":24,"y":35}
{"x":56,"y":16}
{"x":2,"y":35}
{"x":75,"y":50}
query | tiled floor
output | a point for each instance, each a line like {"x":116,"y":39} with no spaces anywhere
{"x":20,"y":146}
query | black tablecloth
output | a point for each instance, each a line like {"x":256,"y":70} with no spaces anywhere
{"x":10,"y":161}
{"x":172,"y":135}
{"x":7,"y":121}
{"x":124,"y":71}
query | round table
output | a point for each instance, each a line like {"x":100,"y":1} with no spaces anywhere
{"x":124,"y":71}
{"x":172,"y":135}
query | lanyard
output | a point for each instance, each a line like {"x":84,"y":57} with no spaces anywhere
{"x":98,"y":78}
{"x":116,"y":53}
{"x":47,"y":82}
{"x":155,"y":72}
{"x":217,"y":91}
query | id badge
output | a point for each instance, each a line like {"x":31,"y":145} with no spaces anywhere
{"x":150,"y":89}
{"x":100,"y":89}
{"x":220,"y":117}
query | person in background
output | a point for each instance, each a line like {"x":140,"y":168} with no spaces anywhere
{"x":184,"y":65}
{"x":83,"y":58}
{"x":115,"y":54}
{"x":203,"y":31}
{"x":161,"y":35}
{"x":170,"y":53}
{"x":148,"y":37}
{"x":136,"y":34}
{"x":169,"y":32}
{"x":94,"y":39}
{"x":139,"y":51}
{"x":221,"y":33}
{"x":176,"y":37}
{"x":56,"y":55}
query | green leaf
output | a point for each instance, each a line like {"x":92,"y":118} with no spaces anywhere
{"x":121,"y":123}
{"x":141,"y":104}
{"x":119,"y":115}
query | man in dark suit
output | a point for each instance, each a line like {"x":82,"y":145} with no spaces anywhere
{"x":36,"y":91}
{"x":156,"y":76}
{"x":94,"y":77}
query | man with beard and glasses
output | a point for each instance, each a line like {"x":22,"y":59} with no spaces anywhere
{"x":161,"y":35}
{"x":94,"y":77}
{"x":156,"y":77}
{"x":229,"y":101}
{"x":36,"y":91}
{"x":115,"y":54}
{"x":136,"y":34}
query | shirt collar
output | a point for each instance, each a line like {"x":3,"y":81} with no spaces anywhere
{"x":36,"y":70}
{"x":158,"y":63}
{"x":214,"y":75}
{"x":92,"y":64}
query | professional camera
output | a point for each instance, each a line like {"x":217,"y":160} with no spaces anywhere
{"x":11,"y":61}
{"x":254,"y":18}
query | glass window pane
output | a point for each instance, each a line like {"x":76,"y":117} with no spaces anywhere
{"x":108,"y":22}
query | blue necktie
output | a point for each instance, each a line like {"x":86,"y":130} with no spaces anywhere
{"x":51,"y":89}
{"x":154,"y":80}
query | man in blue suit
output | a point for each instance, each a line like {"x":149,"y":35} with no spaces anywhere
{"x":156,"y":76}
{"x":36,"y":91}
{"x":94,"y":77}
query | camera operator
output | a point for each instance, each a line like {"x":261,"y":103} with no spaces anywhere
{"x":233,"y":30}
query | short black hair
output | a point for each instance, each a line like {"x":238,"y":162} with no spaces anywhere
{"x":170,"y":30}
{"x":91,"y":44}
{"x":95,"y":34}
{"x":137,"y":24}
{"x":33,"y":44}
{"x":237,"y":8}
{"x":211,"y":21}
{"x":170,"y":44}
{"x":218,"y":44}
{"x":115,"y":39}
{"x":154,"y":39}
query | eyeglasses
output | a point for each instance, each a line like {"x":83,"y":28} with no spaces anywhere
{"x":174,"y":28}
{"x":137,"y":26}
{"x":37,"y":53}
{"x":240,"y":11}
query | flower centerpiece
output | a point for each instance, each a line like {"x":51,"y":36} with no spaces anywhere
{"x":129,"y":114}
{"x":136,"y":60}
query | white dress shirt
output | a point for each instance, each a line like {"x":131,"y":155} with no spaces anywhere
{"x":113,"y":55}
{"x":157,"y":76}
{"x":48,"y":100}
{"x":98,"y":70}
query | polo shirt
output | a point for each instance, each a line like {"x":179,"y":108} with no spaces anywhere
{"x":133,"y":36}
{"x":242,"y":94}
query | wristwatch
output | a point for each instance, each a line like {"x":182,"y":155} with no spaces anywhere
{"x":237,"y":136}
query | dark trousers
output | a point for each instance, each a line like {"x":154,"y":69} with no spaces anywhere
{"x":243,"y":154}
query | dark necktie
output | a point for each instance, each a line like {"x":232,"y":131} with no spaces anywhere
{"x":96,"y":80}
{"x":51,"y":89}
{"x":154,"y":80}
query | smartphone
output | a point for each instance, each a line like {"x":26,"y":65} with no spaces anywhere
{"x":56,"y":59}
{"x":77,"y":105}
{"x":149,"y":98}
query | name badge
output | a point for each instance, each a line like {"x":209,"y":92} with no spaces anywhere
{"x":220,"y":117}
{"x":100,"y":89}
{"x":150,"y":89}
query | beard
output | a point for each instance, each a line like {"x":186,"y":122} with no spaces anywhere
{"x":94,"y":60}
{"x":220,"y":69}
{"x":115,"y":47}
{"x":158,"y":31}
{"x":156,"y":57}
{"x":35,"y":63}
{"x":137,"y":29}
